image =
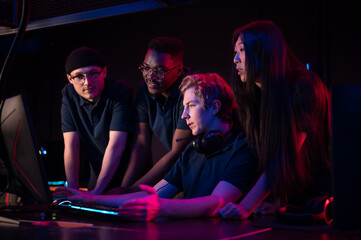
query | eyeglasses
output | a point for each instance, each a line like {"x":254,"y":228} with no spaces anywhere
{"x":159,"y":73}
{"x":80,"y":78}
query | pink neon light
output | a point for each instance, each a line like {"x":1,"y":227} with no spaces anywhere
{"x":7,"y":201}
{"x":16,"y":164}
{"x":246,"y":234}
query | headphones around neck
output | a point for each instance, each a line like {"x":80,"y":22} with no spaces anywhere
{"x":210,"y":142}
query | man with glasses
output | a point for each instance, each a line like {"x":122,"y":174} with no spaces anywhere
{"x":95,"y":116}
{"x":158,"y":112}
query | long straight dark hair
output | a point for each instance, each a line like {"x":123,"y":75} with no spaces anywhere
{"x":271,"y":117}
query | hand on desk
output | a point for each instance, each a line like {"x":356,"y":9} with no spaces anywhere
{"x":133,"y":207}
{"x":72,"y":194}
{"x":233,"y":211}
{"x":142,"y":209}
{"x":267,"y":208}
{"x":237,"y":211}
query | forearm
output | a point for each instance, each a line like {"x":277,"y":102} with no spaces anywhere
{"x":71,"y":166}
{"x":159,"y":170}
{"x":256,"y":195}
{"x":110,"y":164}
{"x":116,"y":200}
{"x":196,"y":207}
{"x":103,"y":180}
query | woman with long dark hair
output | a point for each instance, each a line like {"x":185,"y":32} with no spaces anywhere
{"x":284,"y":109}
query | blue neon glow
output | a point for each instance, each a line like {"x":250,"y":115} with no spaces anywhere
{"x":68,"y":203}
{"x":57,"y":183}
{"x":42,"y":151}
{"x":308,"y":66}
{"x":94,"y":210}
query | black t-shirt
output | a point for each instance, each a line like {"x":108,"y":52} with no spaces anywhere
{"x":92,"y":122}
{"x":197,"y":174}
{"x":162,"y":114}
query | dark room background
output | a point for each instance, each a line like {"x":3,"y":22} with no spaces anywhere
{"x":321,"y":33}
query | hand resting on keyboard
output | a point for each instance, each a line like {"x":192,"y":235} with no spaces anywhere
{"x":72,"y":194}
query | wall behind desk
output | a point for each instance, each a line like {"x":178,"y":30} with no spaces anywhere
{"x":321,"y":33}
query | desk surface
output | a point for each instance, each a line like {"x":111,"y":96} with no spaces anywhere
{"x":66,"y":226}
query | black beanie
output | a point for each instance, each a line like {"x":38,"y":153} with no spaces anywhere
{"x":83,"y":57}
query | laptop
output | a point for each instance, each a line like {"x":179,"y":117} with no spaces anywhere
{"x":22,"y":170}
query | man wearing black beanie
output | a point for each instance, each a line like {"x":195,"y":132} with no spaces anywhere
{"x":96,"y":115}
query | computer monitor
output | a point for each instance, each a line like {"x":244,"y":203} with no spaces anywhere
{"x":20,"y":162}
{"x":346,"y":154}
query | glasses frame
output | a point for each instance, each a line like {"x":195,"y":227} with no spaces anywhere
{"x":85,"y":76}
{"x":159,"y":73}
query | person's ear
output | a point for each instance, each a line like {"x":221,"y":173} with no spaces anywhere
{"x":69,"y":78}
{"x":216,"y":107}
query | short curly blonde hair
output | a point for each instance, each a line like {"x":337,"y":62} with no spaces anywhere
{"x":210,"y":87}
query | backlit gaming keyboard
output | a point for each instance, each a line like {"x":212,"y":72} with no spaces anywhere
{"x":87,"y":209}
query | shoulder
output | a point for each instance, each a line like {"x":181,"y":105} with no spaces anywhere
{"x":237,"y":137}
{"x":67,"y":88}
{"x":142,"y":95}
{"x":311,"y":100}
{"x":233,"y":143}
{"x":69,"y":92}
{"x":238,"y":147}
{"x":240,"y":139}
{"x":308,"y":89}
{"x":307,"y":80}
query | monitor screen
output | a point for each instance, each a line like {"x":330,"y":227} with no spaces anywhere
{"x":20,"y":161}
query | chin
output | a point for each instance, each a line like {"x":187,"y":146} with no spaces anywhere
{"x":195,"y":133}
{"x":153,"y":91}
{"x":91,"y":97}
